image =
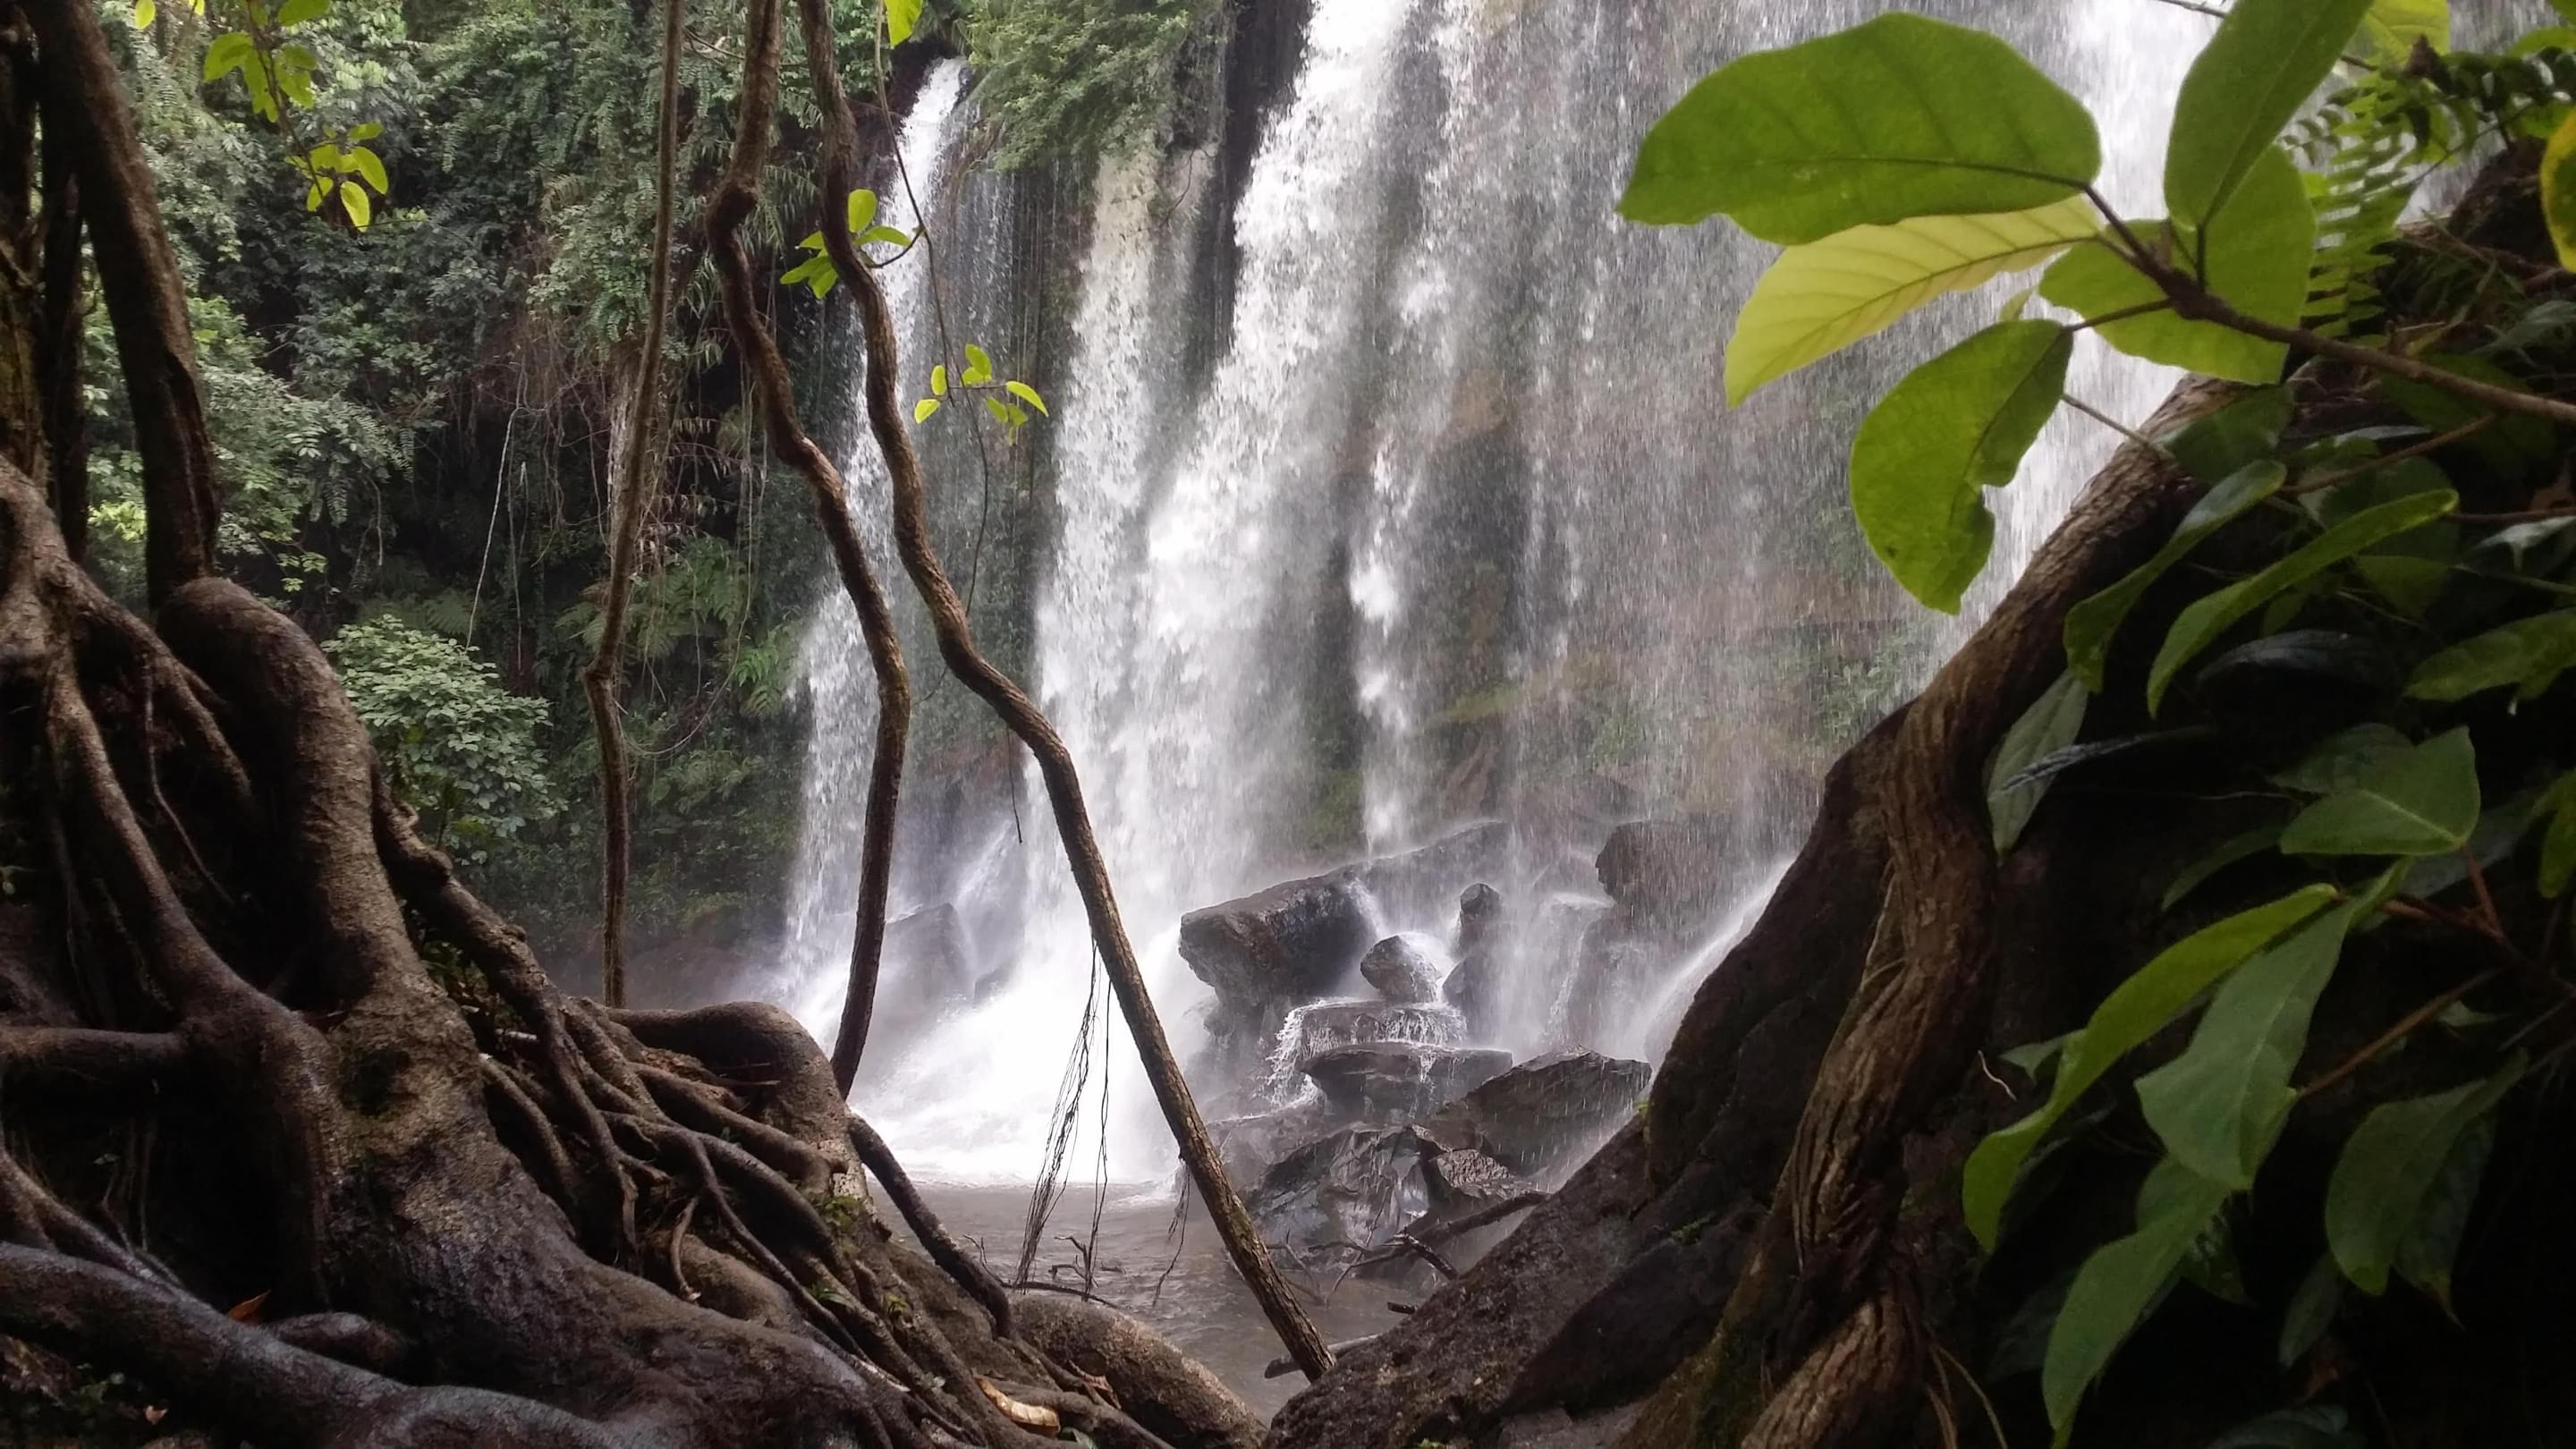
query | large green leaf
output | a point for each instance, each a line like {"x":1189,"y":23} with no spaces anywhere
{"x":2253,"y":76}
{"x":1954,"y":427}
{"x":2530,"y":653}
{"x":901,"y":17}
{"x":2343,"y":759}
{"x":2212,"y":615}
{"x":2049,"y":725}
{"x":1822,"y":297}
{"x":2393,"y":26}
{"x":2211,"y":448}
{"x":2135,"y":1010}
{"x":2557,"y":187}
{"x":1903,"y":116}
{"x":2389,"y":1168}
{"x":2091,"y":624}
{"x":2257,"y":260}
{"x":2426,"y":1255}
{"x":2219,"y":1105}
{"x":2120,"y":1282}
{"x":2423,"y":802}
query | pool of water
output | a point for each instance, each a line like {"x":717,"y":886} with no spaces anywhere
{"x":1166,"y":1269}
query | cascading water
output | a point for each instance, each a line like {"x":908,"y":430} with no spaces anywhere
{"x":1449,"y":522}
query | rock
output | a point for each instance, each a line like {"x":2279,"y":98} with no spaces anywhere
{"x":1267,"y":951}
{"x":1480,"y":919}
{"x":1672,"y":875}
{"x":1475,"y":987}
{"x":1168,"y":1393}
{"x":1612,"y":968}
{"x":1463,"y":1180}
{"x":1400,"y":972}
{"x":1330,"y":1024}
{"x":926,"y":951}
{"x":1353,"y":1186}
{"x":1545,"y":1112}
{"x":1385,"y":1081}
{"x":1252,"y":1144}
{"x":1414,"y":885}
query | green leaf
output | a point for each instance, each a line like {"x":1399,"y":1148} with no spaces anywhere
{"x":1903,"y":116}
{"x":2135,"y":1010}
{"x":901,"y":17}
{"x":226,"y":54}
{"x":979,"y":366}
{"x":813,"y":241}
{"x":1026,"y":393}
{"x":325,"y":157}
{"x":2050,"y":724}
{"x":2389,"y":1167}
{"x":1822,"y":297}
{"x":2558,"y":846}
{"x":1954,"y":427}
{"x":2091,"y":624}
{"x":2344,"y":759}
{"x":2214,"y":447}
{"x":2424,"y":802}
{"x":366,"y":130}
{"x":2257,"y":260}
{"x":2426,"y":1254}
{"x":2530,"y":653}
{"x":894,"y":236}
{"x":2212,"y":615}
{"x":922,"y":410}
{"x":369,"y":167}
{"x":2120,"y":1282}
{"x":816,"y":274}
{"x":2558,"y":190}
{"x":316,"y":194}
{"x":2393,"y":26}
{"x":1001,"y":414}
{"x":863,"y":210}
{"x":353,"y":200}
{"x":2265,"y":60}
{"x":2219,"y":1105}
{"x":939,"y":380}
{"x":296,"y":12}
{"x":2226,"y":853}
{"x":2312,"y":1310}
{"x":145,"y":12}
{"x":2516,"y":445}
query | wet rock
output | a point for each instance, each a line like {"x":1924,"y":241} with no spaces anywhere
{"x":1414,"y":885}
{"x":1400,"y":972}
{"x":927,"y":949}
{"x":1463,"y":1180}
{"x":1387,"y":1081}
{"x":1480,"y":919}
{"x":1612,"y":968}
{"x":1168,"y":1393}
{"x":1545,"y":1112}
{"x":1475,"y":987}
{"x":1267,"y":951}
{"x":1351,"y":1187}
{"x":1327,"y":1025}
{"x":1671,"y":874}
{"x":1251,"y":1144}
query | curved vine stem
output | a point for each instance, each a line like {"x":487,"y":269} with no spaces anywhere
{"x":634,"y":494}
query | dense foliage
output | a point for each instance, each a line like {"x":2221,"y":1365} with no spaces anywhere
{"x":2389,"y":529}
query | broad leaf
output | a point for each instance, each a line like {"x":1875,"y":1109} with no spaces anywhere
{"x":2426,"y":1255}
{"x":2226,"y":853}
{"x":2265,"y":60}
{"x":353,"y":200}
{"x":2530,"y":653}
{"x":2423,"y":802}
{"x":366,"y":130}
{"x":2135,"y":1010}
{"x":369,"y":166}
{"x":2117,"y":1285}
{"x":979,"y":366}
{"x":2344,"y":759}
{"x":1822,"y":297}
{"x":2558,"y":190}
{"x":2050,"y":724}
{"x":296,"y":12}
{"x":890,"y":235}
{"x":145,"y":12}
{"x":2214,"y":447}
{"x":2208,"y":617}
{"x":2516,"y":445}
{"x":2257,"y":259}
{"x":2393,"y":26}
{"x":939,"y":380}
{"x":2091,"y":624}
{"x":1900,"y":117}
{"x":901,"y":17}
{"x":227,"y":53}
{"x":1954,"y":427}
{"x":2389,"y":1168}
{"x":922,"y":410}
{"x":2219,"y":1105}
{"x":862,"y":210}
{"x":2312,"y":1310}
{"x":1026,"y":394}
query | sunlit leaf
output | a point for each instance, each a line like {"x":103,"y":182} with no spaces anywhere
{"x":1953,"y":428}
{"x":2213,"y":614}
{"x":1899,"y":117}
{"x":370,"y":168}
{"x":891,"y":235}
{"x":2423,"y":802}
{"x":226,"y":54}
{"x":2261,"y":65}
{"x":939,"y":380}
{"x":2091,"y":624}
{"x":901,"y":17}
{"x":922,"y":410}
{"x":353,"y":200}
{"x":1822,"y":297}
{"x":366,"y":130}
{"x":979,"y":366}
{"x":296,"y":12}
{"x":863,"y":210}
{"x":1027,"y":394}
{"x":2393,"y":26}
{"x":2558,"y":190}
{"x":1000,"y":413}
{"x":2390,"y":1166}
{"x":145,"y":12}
{"x":2135,"y":1010}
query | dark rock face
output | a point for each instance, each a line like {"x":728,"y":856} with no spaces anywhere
{"x":1267,"y":951}
{"x":1480,"y":919}
{"x":1384,"y":1081}
{"x":1352,"y":1187}
{"x":1544,"y":1112}
{"x":1400,"y":972}
{"x":1671,"y":874}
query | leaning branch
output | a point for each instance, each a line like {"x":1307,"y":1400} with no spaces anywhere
{"x":634,"y":485}
{"x":733,"y":202}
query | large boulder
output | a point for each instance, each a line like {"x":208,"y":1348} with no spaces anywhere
{"x":1415,"y":885}
{"x":1475,"y":987}
{"x":1672,"y":875}
{"x":1480,"y":919}
{"x":1330,"y":1024}
{"x":1545,"y":1112}
{"x":1270,"y":950}
{"x":1352,"y":1187}
{"x":1400,"y":972}
{"x":1390,"y":1081}
{"x":1251,"y":1144}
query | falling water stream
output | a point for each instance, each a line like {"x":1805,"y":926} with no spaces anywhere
{"x":1450,"y":523}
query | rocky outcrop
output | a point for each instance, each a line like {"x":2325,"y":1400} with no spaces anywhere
{"x":1546,"y":1112}
{"x":1671,"y":875}
{"x":1400,"y":972}
{"x":1390,"y":1081}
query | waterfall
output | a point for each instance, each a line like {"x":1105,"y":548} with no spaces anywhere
{"x":1441,"y":517}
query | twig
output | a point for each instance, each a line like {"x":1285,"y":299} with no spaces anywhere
{"x":2405,"y":1024}
{"x":2466,"y":430}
